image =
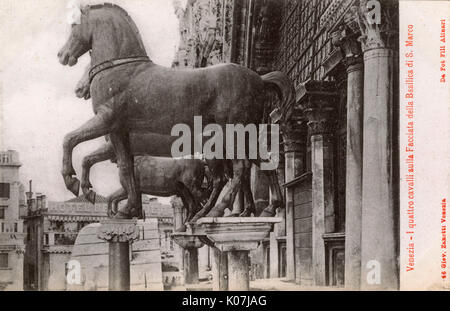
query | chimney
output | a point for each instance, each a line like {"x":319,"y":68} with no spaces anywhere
{"x":44,"y":201}
{"x":30,"y":192}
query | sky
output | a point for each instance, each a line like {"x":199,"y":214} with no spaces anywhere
{"x":38,"y":105}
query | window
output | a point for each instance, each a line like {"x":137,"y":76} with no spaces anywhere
{"x":4,"y":190}
{"x":4,"y":260}
{"x":3,"y":227}
{"x":16,"y":227}
{"x":2,"y":213}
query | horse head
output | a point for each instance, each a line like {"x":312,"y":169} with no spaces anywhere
{"x":106,"y":30}
{"x":79,"y":41}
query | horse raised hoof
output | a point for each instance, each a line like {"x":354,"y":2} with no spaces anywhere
{"x":72,"y":184}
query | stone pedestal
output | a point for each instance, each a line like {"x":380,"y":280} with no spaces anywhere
{"x":119,"y":233}
{"x":236,"y":236}
{"x":190,"y":243}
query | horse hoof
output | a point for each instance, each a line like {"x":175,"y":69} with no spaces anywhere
{"x":182,"y":228}
{"x":233,"y":215}
{"x":90,"y":196}
{"x":246,"y":213}
{"x":72,"y":184}
{"x":122,"y":215}
{"x":268,"y":212}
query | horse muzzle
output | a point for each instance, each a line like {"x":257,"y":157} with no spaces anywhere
{"x":66,"y":59}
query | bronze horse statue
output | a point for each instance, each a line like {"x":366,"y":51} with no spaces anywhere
{"x":165,"y":177}
{"x":133,"y":97}
{"x":159,"y":176}
{"x":219,"y":171}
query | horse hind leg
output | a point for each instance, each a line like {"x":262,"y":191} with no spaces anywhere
{"x":218,"y":184}
{"x":230,"y":195}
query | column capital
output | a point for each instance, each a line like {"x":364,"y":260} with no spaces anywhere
{"x":295,"y":134}
{"x":375,"y":20}
{"x":118,"y":230}
{"x":318,"y":101}
{"x":346,"y":39}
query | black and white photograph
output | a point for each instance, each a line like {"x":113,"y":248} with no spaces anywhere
{"x":224,"y":145}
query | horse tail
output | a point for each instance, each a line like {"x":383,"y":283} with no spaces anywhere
{"x":284,"y":88}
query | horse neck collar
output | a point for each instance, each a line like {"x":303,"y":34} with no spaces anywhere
{"x":96,"y":69}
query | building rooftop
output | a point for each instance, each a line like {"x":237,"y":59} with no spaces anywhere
{"x":82,"y":199}
{"x":9,"y":158}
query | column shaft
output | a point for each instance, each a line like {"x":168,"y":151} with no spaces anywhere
{"x":322,"y":201}
{"x":119,"y":266}
{"x":191,"y":266}
{"x":238,"y":274}
{"x":378,"y":239}
{"x":353,"y":188}
{"x":219,"y":270}
{"x":290,"y":259}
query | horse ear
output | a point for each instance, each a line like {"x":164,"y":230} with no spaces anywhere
{"x":84,"y":9}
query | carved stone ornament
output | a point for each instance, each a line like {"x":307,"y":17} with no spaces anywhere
{"x":375,"y":20}
{"x":295,"y":135}
{"x":118,"y":230}
{"x":319,"y":100}
{"x":347,"y":41}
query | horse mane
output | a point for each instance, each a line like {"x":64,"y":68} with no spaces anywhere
{"x":122,"y":11}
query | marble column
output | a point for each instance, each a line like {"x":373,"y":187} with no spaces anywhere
{"x":346,"y":39}
{"x":118,"y":233}
{"x":178,"y":222}
{"x":320,"y":111}
{"x":226,"y":234}
{"x":190,"y":243}
{"x":379,"y":237}
{"x":219,"y":270}
{"x":238,"y":270}
{"x":191,"y":265}
{"x":294,"y":134}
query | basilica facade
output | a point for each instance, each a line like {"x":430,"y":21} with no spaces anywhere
{"x":340,"y":147}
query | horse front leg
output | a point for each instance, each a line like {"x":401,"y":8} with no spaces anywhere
{"x":247,"y":191}
{"x":125,"y":163}
{"x":219,"y":182}
{"x":104,"y":153}
{"x":277,"y":195}
{"x":95,"y":127}
{"x":230,"y":195}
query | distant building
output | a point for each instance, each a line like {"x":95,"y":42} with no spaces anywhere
{"x":52,"y":228}
{"x":92,"y":255}
{"x":12,"y":209}
{"x":171,"y":263}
